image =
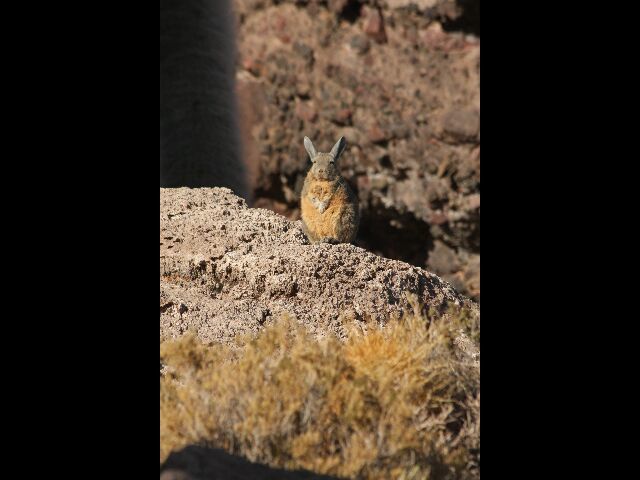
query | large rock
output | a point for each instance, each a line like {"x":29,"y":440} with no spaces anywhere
{"x":227,"y":269}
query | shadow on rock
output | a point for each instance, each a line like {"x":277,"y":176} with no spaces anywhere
{"x":201,"y":463}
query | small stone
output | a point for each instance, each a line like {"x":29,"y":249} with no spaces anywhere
{"x":473,"y":201}
{"x":462,"y":124}
{"x":352,"y":135}
{"x":336,"y":6}
{"x":303,"y":89}
{"x":438,"y":218}
{"x":376,"y":134}
{"x":443,"y":259}
{"x":254,"y":66}
{"x":374,"y":26}
{"x":305,"y":51}
{"x":306,"y":112}
{"x":342,"y":116}
{"x":360,"y":44}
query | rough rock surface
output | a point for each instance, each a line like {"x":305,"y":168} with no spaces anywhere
{"x":227,"y":269}
{"x":400,"y":79}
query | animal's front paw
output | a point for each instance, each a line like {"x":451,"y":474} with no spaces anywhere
{"x":331,"y":240}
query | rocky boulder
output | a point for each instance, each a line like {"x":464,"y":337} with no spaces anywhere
{"x":227,"y":269}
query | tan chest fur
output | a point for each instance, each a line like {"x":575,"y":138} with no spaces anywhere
{"x":324,"y":224}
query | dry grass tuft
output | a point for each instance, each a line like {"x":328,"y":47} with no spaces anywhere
{"x":396,"y":402}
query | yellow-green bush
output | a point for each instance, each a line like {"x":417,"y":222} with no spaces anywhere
{"x":392,"y":403}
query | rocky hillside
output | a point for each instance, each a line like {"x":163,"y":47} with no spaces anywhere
{"x":400,"y":80}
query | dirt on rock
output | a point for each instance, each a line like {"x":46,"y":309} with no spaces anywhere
{"x":400,"y":80}
{"x":226,"y":269}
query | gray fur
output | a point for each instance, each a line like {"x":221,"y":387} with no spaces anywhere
{"x":311,"y":150}
{"x":338,"y":148}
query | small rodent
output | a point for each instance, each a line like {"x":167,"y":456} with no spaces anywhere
{"x":329,"y":208}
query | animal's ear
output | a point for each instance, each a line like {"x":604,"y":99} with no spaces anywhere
{"x":338,"y":148}
{"x":311,"y":150}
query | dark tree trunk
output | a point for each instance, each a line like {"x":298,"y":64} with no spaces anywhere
{"x":199,"y":135}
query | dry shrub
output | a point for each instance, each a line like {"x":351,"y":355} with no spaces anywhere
{"x":394,"y":402}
